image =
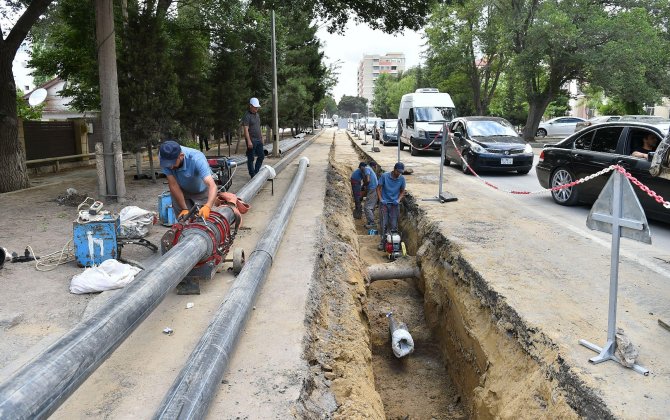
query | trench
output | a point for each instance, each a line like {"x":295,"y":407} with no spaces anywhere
{"x":469,"y":359}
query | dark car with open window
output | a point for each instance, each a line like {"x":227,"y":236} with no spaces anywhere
{"x":487,"y":144}
{"x":599,"y":146}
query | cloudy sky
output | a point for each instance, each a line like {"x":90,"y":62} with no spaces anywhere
{"x":359,"y":40}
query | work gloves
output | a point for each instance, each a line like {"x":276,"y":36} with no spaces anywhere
{"x":204,"y":211}
{"x":183,"y":213}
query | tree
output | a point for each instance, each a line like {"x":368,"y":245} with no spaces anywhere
{"x":349,"y":104}
{"x":380,"y":105}
{"x":13,"y":172}
{"x":467,"y":39}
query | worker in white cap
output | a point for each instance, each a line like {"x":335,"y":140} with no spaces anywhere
{"x":252,"y":134}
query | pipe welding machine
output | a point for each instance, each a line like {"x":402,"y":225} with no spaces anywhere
{"x":96,"y":236}
{"x":219,"y":236}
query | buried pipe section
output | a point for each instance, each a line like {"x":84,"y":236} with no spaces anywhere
{"x":402,"y":268}
{"x":193,"y":390}
{"x":402,"y":343}
{"x":41,"y":386}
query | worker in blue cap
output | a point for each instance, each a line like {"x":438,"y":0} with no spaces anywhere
{"x":390,"y":191}
{"x":189,"y":178}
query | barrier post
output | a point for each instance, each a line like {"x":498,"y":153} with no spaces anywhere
{"x":442,"y":197}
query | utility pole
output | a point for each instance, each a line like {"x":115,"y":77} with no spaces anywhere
{"x":275,"y":93}
{"x":109,"y":95}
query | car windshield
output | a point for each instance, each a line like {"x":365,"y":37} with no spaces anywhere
{"x":490,"y":128}
{"x":434,"y":114}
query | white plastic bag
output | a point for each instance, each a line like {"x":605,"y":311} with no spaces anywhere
{"x":109,"y":275}
{"x":135,"y":222}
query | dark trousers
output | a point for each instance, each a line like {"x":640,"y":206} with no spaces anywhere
{"x":257,"y":151}
{"x":205,"y":140}
{"x":388,"y":213}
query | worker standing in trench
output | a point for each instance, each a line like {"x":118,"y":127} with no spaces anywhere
{"x":189,"y":178}
{"x":390,"y":190}
{"x":356,"y":180}
{"x":370,"y":189}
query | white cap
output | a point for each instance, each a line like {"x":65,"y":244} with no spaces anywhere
{"x":254,"y":102}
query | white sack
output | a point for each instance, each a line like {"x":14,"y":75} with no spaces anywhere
{"x":135,"y":222}
{"x":109,"y":275}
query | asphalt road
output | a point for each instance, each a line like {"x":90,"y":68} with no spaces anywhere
{"x":655,"y":256}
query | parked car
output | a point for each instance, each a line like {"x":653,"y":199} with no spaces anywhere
{"x":558,"y":127}
{"x":387,"y":132}
{"x":487,"y":143}
{"x":597,"y":147}
{"x":370,"y":124}
{"x":596,"y":120}
{"x":327,"y":123}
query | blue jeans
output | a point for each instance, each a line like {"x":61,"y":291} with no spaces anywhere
{"x":257,"y":151}
{"x":388,"y":213}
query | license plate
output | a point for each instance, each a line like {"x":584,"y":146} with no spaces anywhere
{"x":506,"y":161}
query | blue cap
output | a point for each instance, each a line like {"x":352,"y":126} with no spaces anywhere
{"x":400,"y":167}
{"x":362,"y":165}
{"x":169,"y":153}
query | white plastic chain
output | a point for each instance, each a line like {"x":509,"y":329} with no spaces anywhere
{"x":640,"y":185}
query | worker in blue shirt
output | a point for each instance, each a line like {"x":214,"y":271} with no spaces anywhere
{"x":189,"y":178}
{"x":356,"y":180}
{"x":370,"y":189}
{"x":390,"y":191}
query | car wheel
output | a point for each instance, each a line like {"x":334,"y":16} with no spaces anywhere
{"x":523,"y":171}
{"x":565,"y":196}
{"x":401,"y":145}
{"x":464,"y":164}
{"x":541,"y":132}
{"x":447,"y":162}
{"x":412,"y":149}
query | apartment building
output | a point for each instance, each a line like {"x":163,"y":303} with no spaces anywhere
{"x":371,"y":66}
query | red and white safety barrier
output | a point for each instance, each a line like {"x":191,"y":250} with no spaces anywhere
{"x":659,"y":199}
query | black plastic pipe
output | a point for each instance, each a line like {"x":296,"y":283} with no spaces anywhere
{"x":197,"y":383}
{"x":41,"y":386}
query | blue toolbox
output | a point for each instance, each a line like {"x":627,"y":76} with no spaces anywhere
{"x":95,"y":240}
{"x":165,"y":210}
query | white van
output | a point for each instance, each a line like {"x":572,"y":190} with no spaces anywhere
{"x":421,"y":117}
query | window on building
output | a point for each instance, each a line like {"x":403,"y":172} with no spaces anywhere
{"x":394,"y":67}
{"x":375,"y":67}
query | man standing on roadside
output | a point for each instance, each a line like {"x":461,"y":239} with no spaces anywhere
{"x":189,"y":178}
{"x":253,"y":136}
{"x":370,"y":185}
{"x":390,"y":191}
{"x":356,"y":180}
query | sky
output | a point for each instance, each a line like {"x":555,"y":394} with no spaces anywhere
{"x":359,"y":40}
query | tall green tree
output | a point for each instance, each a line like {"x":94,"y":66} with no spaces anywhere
{"x":13,"y":172}
{"x":469,"y":37}
{"x":349,"y":104}
{"x":380,"y":105}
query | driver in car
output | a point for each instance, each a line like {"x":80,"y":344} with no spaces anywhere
{"x":649,"y":144}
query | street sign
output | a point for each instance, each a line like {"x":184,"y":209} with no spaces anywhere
{"x":617,"y":211}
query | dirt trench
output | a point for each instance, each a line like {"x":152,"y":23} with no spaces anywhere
{"x":468,"y":362}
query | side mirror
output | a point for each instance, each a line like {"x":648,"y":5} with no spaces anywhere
{"x":650,"y":156}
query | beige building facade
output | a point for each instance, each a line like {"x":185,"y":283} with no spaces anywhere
{"x":372,"y":65}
